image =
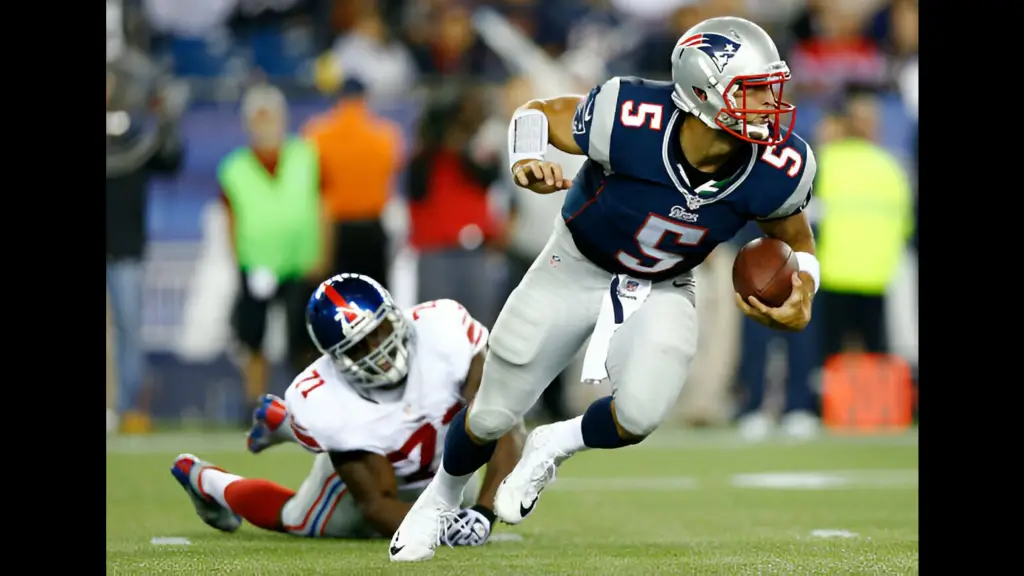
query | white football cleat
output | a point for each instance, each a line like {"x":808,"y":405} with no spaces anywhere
{"x":518,"y":493}
{"x":423,"y":527}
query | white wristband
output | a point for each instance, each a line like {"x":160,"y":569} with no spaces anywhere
{"x":809,"y":264}
{"x":527,"y":136}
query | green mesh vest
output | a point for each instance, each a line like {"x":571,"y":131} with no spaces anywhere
{"x":277,"y":218}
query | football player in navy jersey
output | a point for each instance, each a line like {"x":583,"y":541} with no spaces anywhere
{"x":673,"y":169}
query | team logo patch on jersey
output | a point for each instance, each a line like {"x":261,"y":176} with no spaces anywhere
{"x":630,"y":285}
{"x":584,"y":112}
{"x":554,"y":260}
{"x":680,"y":213}
{"x":719,"y":48}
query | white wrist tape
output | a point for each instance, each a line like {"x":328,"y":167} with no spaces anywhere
{"x":809,"y":264}
{"x":527,"y":136}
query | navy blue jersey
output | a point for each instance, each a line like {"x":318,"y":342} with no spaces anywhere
{"x":632,"y":210}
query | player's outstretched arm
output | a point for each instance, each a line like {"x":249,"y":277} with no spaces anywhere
{"x":506,"y":451}
{"x":560,"y":112}
{"x":535,"y":125}
{"x":371,"y":480}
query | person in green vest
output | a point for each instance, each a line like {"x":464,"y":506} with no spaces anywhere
{"x":865,"y":223}
{"x":271,"y":188}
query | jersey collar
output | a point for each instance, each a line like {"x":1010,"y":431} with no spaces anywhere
{"x":708,"y":192}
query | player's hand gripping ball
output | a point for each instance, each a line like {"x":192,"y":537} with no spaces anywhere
{"x":540,"y":176}
{"x":768,"y":286}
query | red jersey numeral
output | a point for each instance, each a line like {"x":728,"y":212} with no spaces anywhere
{"x":316,"y":380}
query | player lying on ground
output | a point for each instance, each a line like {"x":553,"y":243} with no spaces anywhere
{"x":673,"y":169}
{"x":374,"y":409}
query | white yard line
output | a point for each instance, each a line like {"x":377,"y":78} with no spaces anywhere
{"x":827,"y":480}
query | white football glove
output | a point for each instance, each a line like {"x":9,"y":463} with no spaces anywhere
{"x":471,"y":527}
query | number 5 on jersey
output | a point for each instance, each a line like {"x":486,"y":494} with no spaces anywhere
{"x":787,"y":157}
{"x":633,"y":115}
{"x":651,"y":235}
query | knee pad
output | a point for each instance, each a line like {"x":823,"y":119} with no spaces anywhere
{"x":490,"y":422}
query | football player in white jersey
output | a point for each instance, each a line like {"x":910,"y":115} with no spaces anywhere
{"x":375,"y":409}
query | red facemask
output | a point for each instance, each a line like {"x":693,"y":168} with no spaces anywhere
{"x":744,"y":107}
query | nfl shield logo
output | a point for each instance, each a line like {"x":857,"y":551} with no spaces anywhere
{"x":554,"y":260}
{"x":631,"y":285}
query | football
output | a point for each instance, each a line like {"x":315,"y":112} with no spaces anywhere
{"x":764,"y":269}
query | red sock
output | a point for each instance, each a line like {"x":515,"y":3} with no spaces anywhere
{"x":258,"y":501}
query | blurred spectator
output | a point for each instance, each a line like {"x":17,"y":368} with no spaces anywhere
{"x":860,"y":186}
{"x":832,"y":51}
{"x":134,"y":154}
{"x":368,"y":50}
{"x":256,"y":15}
{"x":905,"y":23}
{"x":278,"y":231}
{"x":904,"y":20}
{"x":188,"y":18}
{"x":449,"y":49}
{"x":563,"y":25}
{"x":652,"y":11}
{"x":451,"y":221}
{"x":445,"y":42}
{"x":653,"y":58}
{"x":360,"y":157}
{"x":775,"y":16}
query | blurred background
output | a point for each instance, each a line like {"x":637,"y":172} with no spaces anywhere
{"x":384,"y":123}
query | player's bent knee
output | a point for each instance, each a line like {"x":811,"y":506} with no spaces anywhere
{"x":636,"y":420}
{"x":489,"y":422}
{"x":641,"y":406}
{"x":293,"y":514}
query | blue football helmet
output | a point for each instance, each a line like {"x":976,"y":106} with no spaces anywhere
{"x":356,"y":322}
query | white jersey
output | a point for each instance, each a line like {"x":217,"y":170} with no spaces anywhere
{"x":408,"y":425}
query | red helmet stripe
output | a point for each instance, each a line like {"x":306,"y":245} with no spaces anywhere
{"x":339,"y":301}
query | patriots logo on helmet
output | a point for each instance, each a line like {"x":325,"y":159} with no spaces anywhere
{"x":719,"y":48}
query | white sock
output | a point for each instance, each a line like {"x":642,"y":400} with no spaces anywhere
{"x":567,"y":435}
{"x":214,"y":482}
{"x":449,"y":487}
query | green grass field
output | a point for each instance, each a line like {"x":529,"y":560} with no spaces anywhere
{"x":681,"y":503}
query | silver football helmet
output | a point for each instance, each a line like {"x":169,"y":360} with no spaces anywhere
{"x":716,"y":63}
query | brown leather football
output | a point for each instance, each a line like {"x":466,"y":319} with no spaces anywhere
{"x":764,"y":269}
